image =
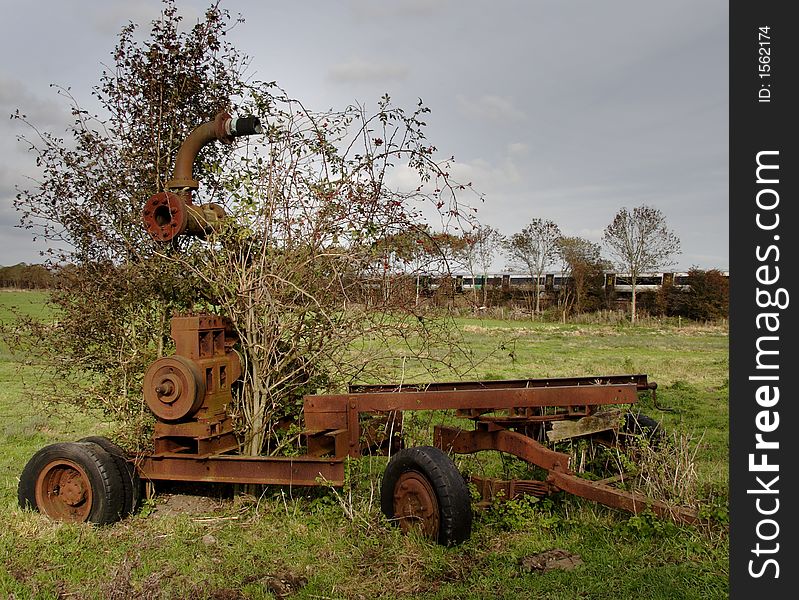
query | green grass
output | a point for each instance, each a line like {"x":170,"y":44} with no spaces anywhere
{"x":30,"y":303}
{"x":288,"y":543}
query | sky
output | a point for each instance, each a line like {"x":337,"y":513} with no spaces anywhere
{"x":553,"y":109}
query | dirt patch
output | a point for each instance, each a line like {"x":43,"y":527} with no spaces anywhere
{"x":281,"y":583}
{"x":119,"y":585}
{"x":550,"y":560}
{"x":187,"y":504}
{"x":284,"y":584}
{"x":215,"y":594}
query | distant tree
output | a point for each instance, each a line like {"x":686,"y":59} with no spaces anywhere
{"x":640,"y":241}
{"x":707,"y":296}
{"x":532,"y":250}
{"x":447,"y":252}
{"x":482,"y":243}
{"x":417,"y":252}
{"x":581,"y":264}
{"x":399,"y":254}
{"x":26,"y":277}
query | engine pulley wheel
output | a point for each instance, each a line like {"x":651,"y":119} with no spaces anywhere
{"x":173,"y":388}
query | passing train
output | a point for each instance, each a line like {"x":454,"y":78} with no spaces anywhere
{"x":613,"y":282}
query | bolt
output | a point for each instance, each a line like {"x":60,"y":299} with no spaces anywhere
{"x":165,"y":389}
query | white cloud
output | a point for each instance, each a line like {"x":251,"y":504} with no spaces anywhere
{"x":490,"y":108}
{"x":42,"y":112}
{"x":594,"y":235}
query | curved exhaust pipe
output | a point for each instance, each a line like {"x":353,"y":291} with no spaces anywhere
{"x":171,"y":213}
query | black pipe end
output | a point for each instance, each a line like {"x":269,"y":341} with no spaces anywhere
{"x":250,"y":125}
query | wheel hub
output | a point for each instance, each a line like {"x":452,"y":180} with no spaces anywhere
{"x":64,"y":492}
{"x":71,"y":489}
{"x":416,"y":504}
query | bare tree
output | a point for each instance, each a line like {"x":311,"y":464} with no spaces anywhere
{"x":482,"y":243}
{"x":640,"y":241}
{"x":532,"y":250}
{"x":581,"y":262}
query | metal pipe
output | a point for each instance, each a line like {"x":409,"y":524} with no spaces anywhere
{"x":223,"y":128}
{"x":171,"y":213}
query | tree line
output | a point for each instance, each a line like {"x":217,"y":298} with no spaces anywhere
{"x":23,"y":276}
{"x":638,"y":241}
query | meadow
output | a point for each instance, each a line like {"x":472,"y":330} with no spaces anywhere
{"x":326,"y":543}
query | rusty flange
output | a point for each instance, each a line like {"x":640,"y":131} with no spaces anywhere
{"x":168,"y":215}
{"x":173,"y":388}
{"x":165,"y":216}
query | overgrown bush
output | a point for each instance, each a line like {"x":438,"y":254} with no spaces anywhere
{"x":309,"y":211}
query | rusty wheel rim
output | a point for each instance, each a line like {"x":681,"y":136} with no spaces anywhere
{"x":64,"y":492}
{"x":416,"y":505}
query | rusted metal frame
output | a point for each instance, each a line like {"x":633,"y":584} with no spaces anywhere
{"x":198,"y":447}
{"x":461,"y":441}
{"x":639,"y":380}
{"x":560,"y":476}
{"x":493,"y":399}
{"x":615,"y":498}
{"x":492,"y":488}
{"x":267,"y":470}
{"x":334,"y":412}
{"x":353,"y":428}
{"x":514,"y":421}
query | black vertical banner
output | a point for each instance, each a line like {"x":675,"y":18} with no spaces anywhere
{"x":764,"y":428}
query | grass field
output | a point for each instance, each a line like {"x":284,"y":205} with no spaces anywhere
{"x":287,"y":543}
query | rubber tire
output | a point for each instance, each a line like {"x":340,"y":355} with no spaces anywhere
{"x":100,"y":468}
{"x":643,"y":425}
{"x":454,"y":500}
{"x":131,"y":483}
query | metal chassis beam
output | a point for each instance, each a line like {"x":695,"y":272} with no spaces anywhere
{"x":560,"y":476}
{"x":300,"y":470}
{"x":483,"y":398}
{"x":640,"y":380}
{"x":342,"y":411}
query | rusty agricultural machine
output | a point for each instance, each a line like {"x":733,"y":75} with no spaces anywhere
{"x":94,"y":480}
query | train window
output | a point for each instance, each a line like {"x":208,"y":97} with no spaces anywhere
{"x":681,"y":280}
{"x":649,"y":280}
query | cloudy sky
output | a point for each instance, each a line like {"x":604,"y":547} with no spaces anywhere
{"x":563,"y":110}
